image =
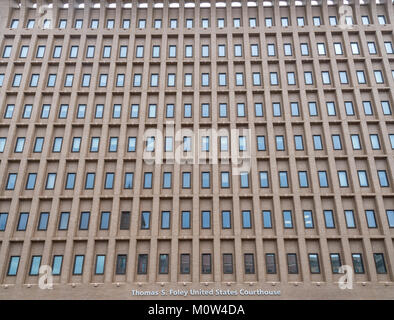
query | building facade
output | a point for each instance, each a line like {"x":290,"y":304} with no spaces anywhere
{"x":222,"y":149}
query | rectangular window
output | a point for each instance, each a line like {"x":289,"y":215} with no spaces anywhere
{"x":225,"y":179}
{"x":125,"y":220}
{"x":249,"y":263}
{"x":104,"y":220}
{"x":142,"y":265}
{"x":84,"y":220}
{"x":206,"y":267}
{"x":308,"y":219}
{"x":335,"y":262}
{"x":323,"y":180}
{"x":205,"y":219}
{"x":292,"y":266}
{"x":31,"y":181}
{"x":100,"y":263}
{"x":51,"y":180}
{"x":22,"y":222}
{"x":303,"y":179}
{"x":145,"y":220}
{"x":13,"y":266}
{"x":109,"y":180}
{"x":343,"y":181}
{"x":186,"y":180}
{"x":57,"y":265}
{"x":63,"y":220}
{"x":379,"y":263}
{"x":185,"y":219}
{"x":185,"y":263}
{"x":314,"y":263}
{"x":270,"y":263}
{"x":329,"y":219}
{"x":121,"y":263}
{"x":167,"y":177}
{"x":227,"y":263}
{"x":350,"y":221}
{"x":283,"y":181}
{"x":298,"y":143}
{"x":11,"y":181}
{"x":205,"y":180}
{"x":383,"y":180}
{"x":264,"y":182}
{"x":163,"y":263}
{"x":287,"y":219}
{"x":3,"y":220}
{"x":78,"y":264}
{"x":362,"y":178}
{"x":246,"y":219}
{"x":371,"y":220}
{"x":226,"y":219}
{"x":90,"y":177}
{"x":357,"y":263}
{"x":267,"y":219}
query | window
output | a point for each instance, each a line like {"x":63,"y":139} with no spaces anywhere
{"x":362,"y":178}
{"x":378,"y":76}
{"x":121,"y":263}
{"x":355,"y":141}
{"x":298,"y":143}
{"x":308,"y":77}
{"x":120,"y":80}
{"x":379,"y":263}
{"x":17,"y":80}
{"x":68,"y":82}
{"x":76,"y":144}
{"x":148,"y":180}
{"x":125,"y":220}
{"x":9,"y":111}
{"x":205,"y":180}
{"x":30,"y":24}
{"x":264,"y":182}
{"x":173,"y":23}
{"x":155,"y":51}
{"x":291,"y":78}
{"x":34,"y":80}
{"x":84,"y":220}
{"x":152,"y":111}
{"x":2,"y":144}
{"x":186,"y":180}
{"x":165,"y":219}
{"x":154,"y":80}
{"x":51,"y":80}
{"x":94,"y":24}
{"x":283,"y":182}
{"x":222,"y":79}
{"x":63,"y":220}
{"x":128,"y":180}
{"x":375,"y":144}
{"x":45,"y":110}
{"x":185,"y":219}
{"x":314,"y":263}
{"x":258,"y":108}
{"x":308,"y":219}
{"x":355,"y":48}
{"x":317,"y":142}
{"x":249,"y":263}
{"x":170,"y":110}
{"x":206,"y":267}
{"x":357,"y":263}
{"x":109,"y":180}
{"x":221,"y":50}
{"x":237,"y":50}
{"x":31,"y":181}
{"x":78,"y":264}
{"x":70,"y":181}
{"x":284,"y":21}
{"x":342,"y":177}
{"x":287,"y":49}
{"x":139,"y":52}
{"x":383,"y":180}
{"x":188,"y":51}
{"x":78,"y":23}
{"x":239,"y":79}
{"x":274,"y":78}
{"x":142,"y":265}
{"x":167,"y":177}
{"x":205,"y":110}
{"x":236,"y":22}
{"x":74,"y":51}
{"x":57,"y":51}
{"x":172,"y":51}
{"x":205,"y":143}
{"x":300,"y":21}
{"x":304,"y":49}
{"x":381,"y":19}
{"x":13,"y":266}
{"x":323,"y":182}
{"x":330,"y":108}
{"x":338,"y":48}
{"x":343,"y":77}
{"x":204,"y":51}
{"x":321,"y":49}
{"x":38,"y":144}
{"x":134,"y":110}
{"x":326,"y":77}
{"x":267,"y":219}
{"x":271,"y":49}
{"x":367,"y":108}
{"x":227,"y":263}
{"x":349,"y":108}
{"x":303,"y":179}
{"x":110,"y":23}
{"x":205,"y":79}
{"x":100,"y":263}
{"x":123,"y":51}
{"x":40,"y":52}
{"x":137,"y":80}
{"x":171,"y":80}
{"x":11,"y":181}
{"x":19,"y":145}
{"x":90,"y":177}
{"x":187,"y":144}
{"x":242,"y":143}
{"x":270,"y":263}
{"x":287,"y":219}
{"x":292,"y":267}
{"x":1,"y":79}
{"x":349,"y":217}
{"x":3,"y":220}
{"x":361,"y":77}
{"x":386,"y":107}
{"x":280,"y":143}
{"x":389,"y":47}
{"x":24,"y":51}
{"x":225,"y":179}
{"x":268,"y":22}
{"x":371,"y":220}
{"x":205,"y":219}
{"x":252,"y":22}
{"x":103,"y":80}
{"x":163,"y":263}
{"x":316,"y":21}
{"x":226,"y":219}
{"x":329,"y":219}
{"x":62,"y":23}
{"x":22,"y":222}
{"x":57,"y":265}
{"x":246,"y":219}
{"x":220,"y":23}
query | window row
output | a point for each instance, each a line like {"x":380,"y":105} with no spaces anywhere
{"x":153,"y":110}
{"x":190,"y":23}
{"x":227,"y":263}
{"x":227,"y":220}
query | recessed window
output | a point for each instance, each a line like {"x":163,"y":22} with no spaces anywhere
{"x":358,"y":263}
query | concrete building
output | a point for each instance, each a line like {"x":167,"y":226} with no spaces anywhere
{"x":160,"y":149}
